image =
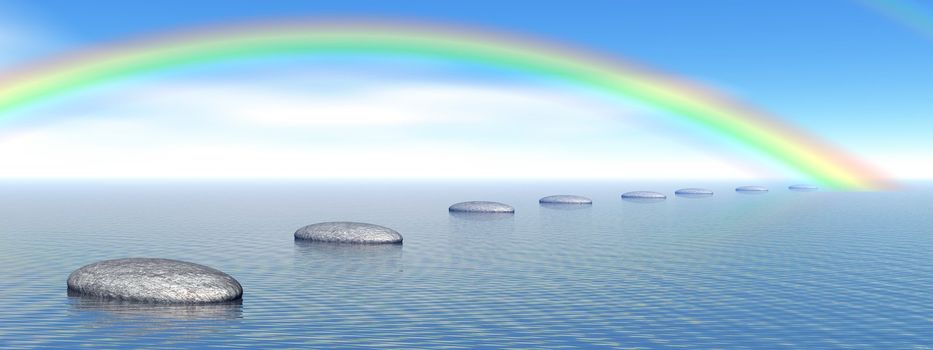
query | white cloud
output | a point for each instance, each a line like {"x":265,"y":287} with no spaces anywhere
{"x":384,"y":130}
{"x":383,"y":104}
{"x":51,"y":160}
{"x":908,"y":165}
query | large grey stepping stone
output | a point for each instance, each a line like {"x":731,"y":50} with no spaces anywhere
{"x":481,"y":207}
{"x":565,"y":199}
{"x":348,"y":232}
{"x":154,"y":280}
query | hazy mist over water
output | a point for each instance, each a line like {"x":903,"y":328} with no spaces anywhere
{"x":781,"y":269}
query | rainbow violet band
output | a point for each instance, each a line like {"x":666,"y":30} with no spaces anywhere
{"x":727,"y":118}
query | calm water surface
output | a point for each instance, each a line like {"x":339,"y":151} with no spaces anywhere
{"x":778,"y":270}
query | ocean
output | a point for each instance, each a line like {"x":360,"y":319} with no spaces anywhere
{"x":803,"y":270}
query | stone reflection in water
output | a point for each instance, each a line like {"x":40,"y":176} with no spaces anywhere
{"x":346,"y":258}
{"x":557,"y":219}
{"x":471,"y":216}
{"x":645,"y":200}
{"x":120,"y":311}
{"x":477,"y":239}
{"x":751,"y":189}
{"x":803,"y":188}
{"x":565,"y":206}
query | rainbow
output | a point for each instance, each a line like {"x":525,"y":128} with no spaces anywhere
{"x":912,"y":15}
{"x":727,"y":118}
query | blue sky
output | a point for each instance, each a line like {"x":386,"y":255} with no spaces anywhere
{"x":840,"y":69}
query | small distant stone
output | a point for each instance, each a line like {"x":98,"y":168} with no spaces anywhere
{"x":643,"y":195}
{"x":154,"y":280}
{"x":751,"y":189}
{"x":348,"y":232}
{"x":803,"y":188}
{"x":481,"y":207}
{"x":565,"y":199}
{"x":694,"y":192}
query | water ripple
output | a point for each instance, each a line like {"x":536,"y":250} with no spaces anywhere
{"x":821,"y":270}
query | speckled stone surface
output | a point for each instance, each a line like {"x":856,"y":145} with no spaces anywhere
{"x":643,"y":195}
{"x":803,"y":188}
{"x":565,"y":199}
{"x":693,"y":192}
{"x":481,"y":207}
{"x":348,"y":232}
{"x":751,"y":189}
{"x":154,"y":280}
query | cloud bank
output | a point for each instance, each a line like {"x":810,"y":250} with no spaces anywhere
{"x":380,"y":128}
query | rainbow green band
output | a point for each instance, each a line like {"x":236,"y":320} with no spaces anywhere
{"x":767,"y":136}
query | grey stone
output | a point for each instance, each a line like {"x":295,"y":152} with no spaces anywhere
{"x":693,"y":192}
{"x":758,"y":189}
{"x":481,"y":207}
{"x":154,"y":280}
{"x":348,"y":232}
{"x":803,"y":188}
{"x":565,"y":199}
{"x":643,"y":195}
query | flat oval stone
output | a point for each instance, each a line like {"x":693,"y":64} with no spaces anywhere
{"x":643,"y":195}
{"x":349,"y":232}
{"x":751,"y":189}
{"x":693,"y":192}
{"x":481,"y":207}
{"x":565,"y":199}
{"x":154,"y":280}
{"x":803,"y":188}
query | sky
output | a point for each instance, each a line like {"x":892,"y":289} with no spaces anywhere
{"x":855,"y":74}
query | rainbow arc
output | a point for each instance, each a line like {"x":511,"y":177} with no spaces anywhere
{"x":734,"y":121}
